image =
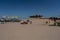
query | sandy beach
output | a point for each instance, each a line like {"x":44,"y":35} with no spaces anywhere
{"x":34,"y":31}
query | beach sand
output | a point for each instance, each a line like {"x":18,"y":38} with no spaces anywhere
{"x":34,"y":31}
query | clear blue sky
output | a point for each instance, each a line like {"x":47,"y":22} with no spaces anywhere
{"x":24,"y":8}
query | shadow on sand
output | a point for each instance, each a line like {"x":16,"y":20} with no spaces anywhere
{"x":54,"y":25}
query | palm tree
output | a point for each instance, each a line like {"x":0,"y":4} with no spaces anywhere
{"x":36,"y":16}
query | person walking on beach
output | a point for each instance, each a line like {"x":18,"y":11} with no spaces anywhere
{"x":30,"y":22}
{"x":46,"y":22}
